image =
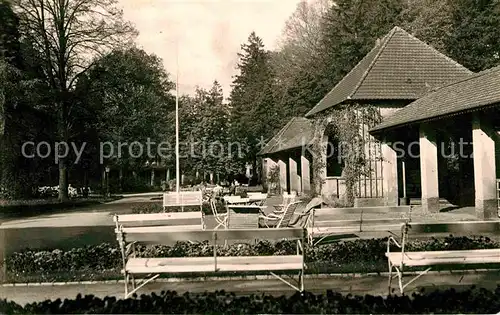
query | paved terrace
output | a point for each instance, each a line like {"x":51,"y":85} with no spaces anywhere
{"x":101,"y":215}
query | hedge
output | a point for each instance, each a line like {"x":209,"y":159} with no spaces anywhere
{"x":473,"y":300}
{"x":104,"y":261}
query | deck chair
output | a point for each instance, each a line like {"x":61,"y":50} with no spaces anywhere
{"x":257,"y":198}
{"x":287,"y":199}
{"x":280,"y":219}
{"x":220,"y":218}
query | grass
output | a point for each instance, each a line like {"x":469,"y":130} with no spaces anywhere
{"x":33,"y":207}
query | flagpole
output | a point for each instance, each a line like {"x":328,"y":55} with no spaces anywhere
{"x":177,"y":166}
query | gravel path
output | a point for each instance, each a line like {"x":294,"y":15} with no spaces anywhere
{"x":376,"y":285}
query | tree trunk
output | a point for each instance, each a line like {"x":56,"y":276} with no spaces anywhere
{"x":63,"y":136}
{"x":63,"y":181}
{"x":120,"y":179}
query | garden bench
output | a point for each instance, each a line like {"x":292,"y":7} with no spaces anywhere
{"x":151,"y":268}
{"x":324,"y":222}
{"x":182,"y":199}
{"x":400,"y":259}
{"x":178,"y":220}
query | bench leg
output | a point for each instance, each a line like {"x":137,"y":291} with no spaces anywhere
{"x":413,"y":280}
{"x":126,"y":285}
{"x":139,"y":286}
{"x":389,"y":283}
{"x":300,"y":286}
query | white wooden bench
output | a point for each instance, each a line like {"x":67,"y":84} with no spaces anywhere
{"x":151,"y":268}
{"x":324,"y":222}
{"x":183,"y":199}
{"x":178,"y":220}
{"x":399,"y":260}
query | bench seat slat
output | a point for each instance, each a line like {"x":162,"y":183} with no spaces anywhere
{"x":340,"y":223}
{"x":319,"y":230}
{"x":206,"y":264}
{"x":477,"y":256}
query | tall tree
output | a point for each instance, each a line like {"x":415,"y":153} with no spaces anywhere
{"x":350,"y":28}
{"x":128,"y":94}
{"x":212,"y":131}
{"x":67,"y":33}
{"x":297,"y":62}
{"x":253,"y":111}
{"x":473,"y":40}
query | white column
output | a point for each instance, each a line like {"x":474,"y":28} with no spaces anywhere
{"x":294,"y":177}
{"x":306,"y":175}
{"x":429,"y":169}
{"x":283,"y":178}
{"x":483,"y":142}
{"x":389,"y":174}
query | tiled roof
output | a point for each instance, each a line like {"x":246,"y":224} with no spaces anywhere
{"x":399,"y":67}
{"x":297,"y":132}
{"x":479,"y":90}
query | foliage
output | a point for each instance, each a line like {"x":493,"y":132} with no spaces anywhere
{"x":129,"y":93}
{"x":333,"y":257}
{"x":473,"y":300}
{"x":206,"y":132}
{"x":65,"y":34}
{"x":254,"y":113}
{"x":273,"y":179}
{"x":472,"y":41}
{"x":463,"y":30}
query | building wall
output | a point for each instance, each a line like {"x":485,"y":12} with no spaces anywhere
{"x":369,"y":185}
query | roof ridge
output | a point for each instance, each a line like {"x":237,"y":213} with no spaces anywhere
{"x":387,"y":38}
{"x":437,"y":52}
{"x":345,"y":76}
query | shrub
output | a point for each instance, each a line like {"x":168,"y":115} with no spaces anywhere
{"x":450,"y":301}
{"x":350,"y":256}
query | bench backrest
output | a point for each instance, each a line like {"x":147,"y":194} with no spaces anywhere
{"x":333,"y":213}
{"x":183,"y":198}
{"x":235,"y":199}
{"x":164,"y":236}
{"x":463,"y":227}
{"x":359,"y":224}
{"x":160,"y":219}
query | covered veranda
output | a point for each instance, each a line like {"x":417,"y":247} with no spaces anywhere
{"x":450,"y":138}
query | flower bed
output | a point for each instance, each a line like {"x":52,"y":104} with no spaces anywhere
{"x":104,"y":261}
{"x":473,"y":300}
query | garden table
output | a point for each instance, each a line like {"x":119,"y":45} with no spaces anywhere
{"x":244,"y":216}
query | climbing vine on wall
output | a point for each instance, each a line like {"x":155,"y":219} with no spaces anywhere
{"x":347,"y":123}
{"x":273,"y":179}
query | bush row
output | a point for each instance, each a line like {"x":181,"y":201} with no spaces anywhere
{"x":478,"y":301}
{"x":91,"y":261}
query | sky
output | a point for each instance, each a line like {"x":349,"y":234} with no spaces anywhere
{"x":208,"y":34}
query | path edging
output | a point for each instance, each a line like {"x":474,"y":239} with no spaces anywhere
{"x":245,"y":278}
